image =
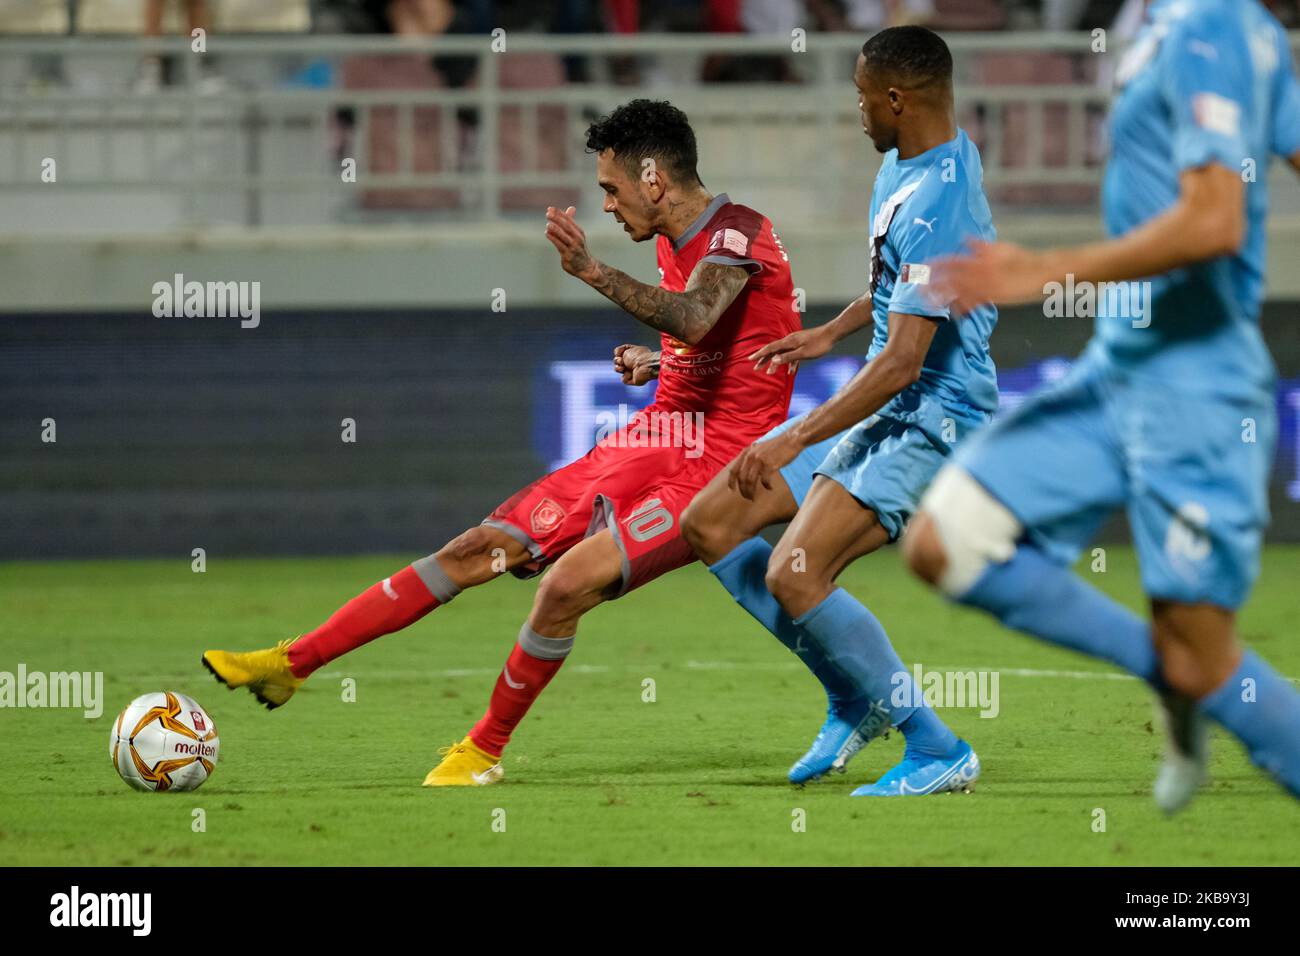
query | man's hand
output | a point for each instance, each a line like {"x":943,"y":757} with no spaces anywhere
{"x":998,"y":272}
{"x":756,"y":463}
{"x":1208,"y":221}
{"x":571,"y":242}
{"x":636,"y":363}
{"x":793,"y":349}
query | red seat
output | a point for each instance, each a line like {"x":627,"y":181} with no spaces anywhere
{"x":534,"y":71}
{"x":1031,"y":68}
{"x":402,"y":72}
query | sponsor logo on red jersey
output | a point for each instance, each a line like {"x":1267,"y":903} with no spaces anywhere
{"x":733,"y":240}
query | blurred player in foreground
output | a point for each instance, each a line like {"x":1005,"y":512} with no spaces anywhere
{"x":1169,"y":413}
{"x":850,"y":472}
{"x":610,"y":521}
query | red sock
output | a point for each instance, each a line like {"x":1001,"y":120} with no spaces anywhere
{"x":390,"y":605}
{"x":509,"y":703}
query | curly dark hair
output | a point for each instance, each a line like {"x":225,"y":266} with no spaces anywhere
{"x":914,"y":56}
{"x":648,"y":128}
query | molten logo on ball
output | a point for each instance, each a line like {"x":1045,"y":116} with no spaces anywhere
{"x":164,"y":741}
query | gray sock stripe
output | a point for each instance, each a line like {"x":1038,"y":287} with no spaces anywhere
{"x":545,"y":648}
{"x":435,"y":579}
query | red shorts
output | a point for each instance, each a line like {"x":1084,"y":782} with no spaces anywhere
{"x":639,"y":493}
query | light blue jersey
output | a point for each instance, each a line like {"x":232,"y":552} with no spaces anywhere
{"x":927,"y":206}
{"x":930,"y":205}
{"x":1286,"y":129}
{"x":1206,"y":81}
{"x":1170,"y":415}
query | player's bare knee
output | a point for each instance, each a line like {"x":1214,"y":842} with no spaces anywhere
{"x":793,"y":587}
{"x":1197,"y":651}
{"x":478,"y":555}
{"x":1182,"y":671}
{"x":923,"y":550}
{"x":562,"y":590}
{"x":468,"y":545}
{"x":962,"y":530}
{"x":700,"y":528}
{"x":695,"y":527}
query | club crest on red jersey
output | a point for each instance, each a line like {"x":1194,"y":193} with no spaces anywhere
{"x":546,"y":517}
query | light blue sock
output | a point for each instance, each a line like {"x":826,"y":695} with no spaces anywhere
{"x":743,"y":573}
{"x":1261,"y":708}
{"x":853,"y":640}
{"x":1034,"y":594}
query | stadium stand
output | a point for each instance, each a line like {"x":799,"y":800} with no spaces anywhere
{"x":228,"y":16}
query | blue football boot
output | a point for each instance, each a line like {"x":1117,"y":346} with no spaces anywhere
{"x":840,"y":738}
{"x":922,"y":774}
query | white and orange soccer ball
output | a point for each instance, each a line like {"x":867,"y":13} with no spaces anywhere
{"x":164,"y":741}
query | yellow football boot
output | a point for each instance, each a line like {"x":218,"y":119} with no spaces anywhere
{"x":465,"y":765}
{"x":265,"y":673}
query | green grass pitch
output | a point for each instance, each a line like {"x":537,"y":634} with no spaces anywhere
{"x":595,"y":775}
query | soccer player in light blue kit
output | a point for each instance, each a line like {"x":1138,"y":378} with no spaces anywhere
{"x":1170,"y":411}
{"x":850,"y":472}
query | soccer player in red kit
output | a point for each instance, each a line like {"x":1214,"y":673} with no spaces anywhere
{"x":610,"y":521}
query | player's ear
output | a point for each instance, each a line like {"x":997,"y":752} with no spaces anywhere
{"x":895,"y":100}
{"x":652,"y":181}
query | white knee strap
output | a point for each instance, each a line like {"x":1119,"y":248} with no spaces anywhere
{"x":976,"y":529}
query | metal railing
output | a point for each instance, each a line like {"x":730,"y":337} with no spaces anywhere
{"x":267,"y":144}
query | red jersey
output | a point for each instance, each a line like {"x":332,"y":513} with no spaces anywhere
{"x":716,"y":376}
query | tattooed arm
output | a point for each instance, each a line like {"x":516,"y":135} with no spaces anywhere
{"x":686,"y":316}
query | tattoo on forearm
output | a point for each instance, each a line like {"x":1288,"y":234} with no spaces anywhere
{"x":684,"y":315}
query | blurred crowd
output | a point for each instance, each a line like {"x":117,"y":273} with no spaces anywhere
{"x":762,"y":17}
{"x":446,"y":133}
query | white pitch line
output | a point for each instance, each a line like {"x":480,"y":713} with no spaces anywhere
{"x":453,"y":672}
{"x":720,"y":666}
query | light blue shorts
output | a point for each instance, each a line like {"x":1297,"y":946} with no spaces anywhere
{"x":1190,"y":469}
{"x":887,"y":461}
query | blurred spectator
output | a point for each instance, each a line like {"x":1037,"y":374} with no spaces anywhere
{"x":152,"y":71}
{"x":869,"y":16}
{"x":414,"y":17}
{"x":623,"y":16}
{"x":481,"y":17}
{"x":1063,"y":14}
{"x":527,"y":140}
{"x":769,"y":18}
{"x":781,"y":17}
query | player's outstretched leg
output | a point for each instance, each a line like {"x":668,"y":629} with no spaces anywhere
{"x":1201,"y":660}
{"x":273,"y":674}
{"x":973,"y":549}
{"x":722,"y":527}
{"x":590,"y":573}
{"x":831,"y":530}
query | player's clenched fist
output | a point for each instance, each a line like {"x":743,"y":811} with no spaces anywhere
{"x":570,"y":241}
{"x":636,"y":363}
